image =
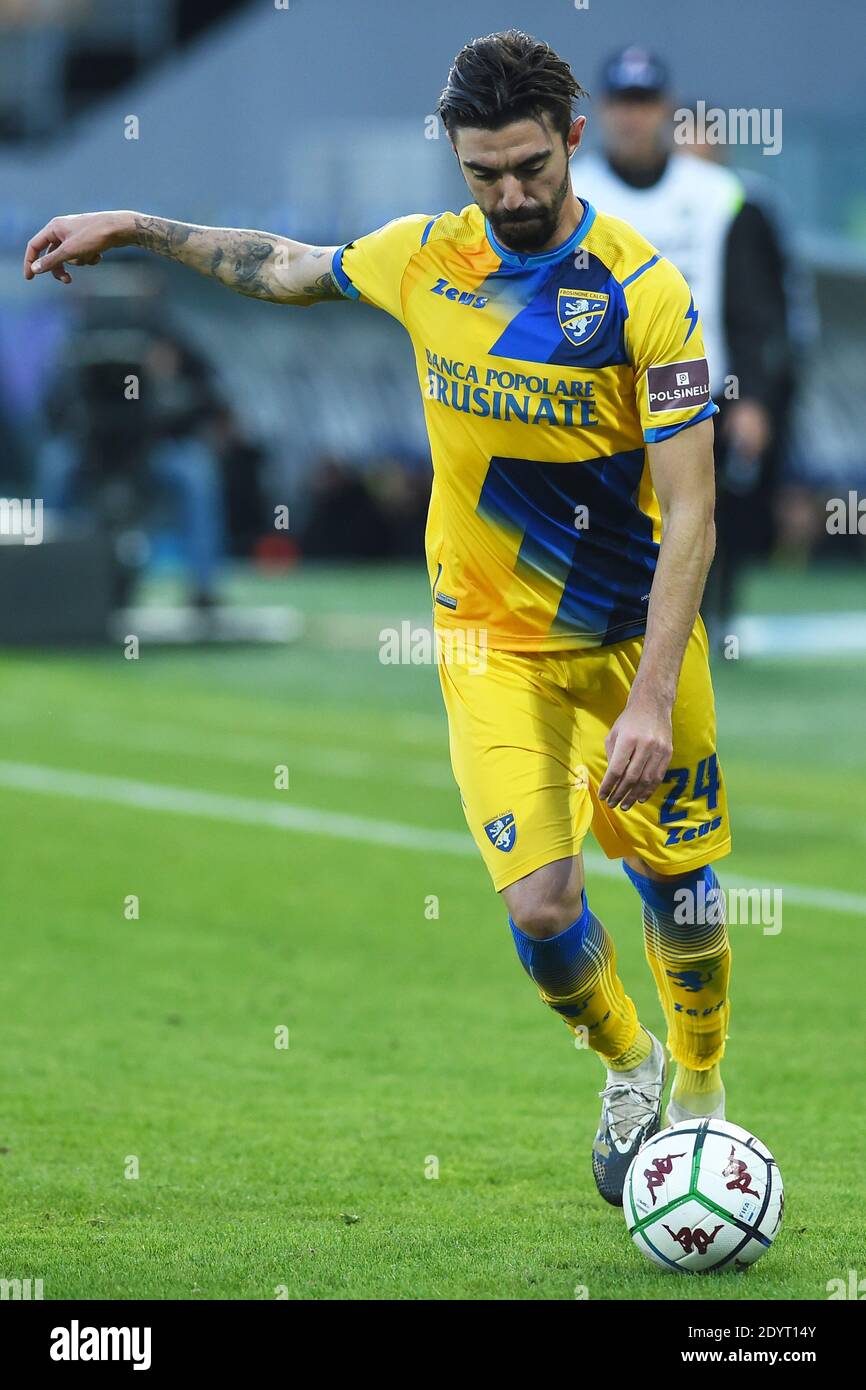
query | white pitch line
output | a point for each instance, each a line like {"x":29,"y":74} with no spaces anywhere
{"x":358,"y":764}
{"x":153,"y":796}
{"x":241,"y":810}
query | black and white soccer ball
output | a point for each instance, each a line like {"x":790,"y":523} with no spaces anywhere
{"x":703,"y":1195}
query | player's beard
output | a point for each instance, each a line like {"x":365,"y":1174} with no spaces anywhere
{"x":528,"y":232}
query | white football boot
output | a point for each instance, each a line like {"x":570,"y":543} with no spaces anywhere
{"x":630,"y":1114}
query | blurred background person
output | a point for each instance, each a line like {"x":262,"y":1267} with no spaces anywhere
{"x":180,"y":401}
{"x":242,"y":463}
{"x":128,"y":416}
{"x":701,"y":218}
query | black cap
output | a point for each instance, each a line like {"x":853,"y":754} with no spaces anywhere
{"x":635,"y":72}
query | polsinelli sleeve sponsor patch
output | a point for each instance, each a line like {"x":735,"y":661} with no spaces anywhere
{"x":677,"y":385}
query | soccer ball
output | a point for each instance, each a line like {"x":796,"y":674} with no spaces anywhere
{"x":703,"y":1195}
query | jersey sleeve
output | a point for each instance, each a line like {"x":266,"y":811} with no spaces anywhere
{"x":665,"y":345}
{"x":371,"y":269}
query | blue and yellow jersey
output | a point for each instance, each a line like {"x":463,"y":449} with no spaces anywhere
{"x":543,"y":378}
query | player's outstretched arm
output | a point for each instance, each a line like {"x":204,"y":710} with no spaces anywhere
{"x":258,"y":264}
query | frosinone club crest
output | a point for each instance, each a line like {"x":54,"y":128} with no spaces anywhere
{"x":581,"y":313}
{"x":502,"y":832}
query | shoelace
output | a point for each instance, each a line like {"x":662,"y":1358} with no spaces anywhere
{"x":623,"y":1107}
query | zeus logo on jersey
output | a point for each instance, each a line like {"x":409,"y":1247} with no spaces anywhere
{"x":472,"y":301}
{"x":502,"y":832}
{"x":580,"y":314}
{"x":677,"y":385}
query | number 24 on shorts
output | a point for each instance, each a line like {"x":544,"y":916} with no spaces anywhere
{"x":706,"y":785}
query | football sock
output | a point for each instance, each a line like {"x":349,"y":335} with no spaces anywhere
{"x":575,"y":973}
{"x":698,"y":1091}
{"x":634,"y":1055}
{"x":687,"y":947}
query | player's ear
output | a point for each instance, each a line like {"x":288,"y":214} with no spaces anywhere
{"x":575,"y":134}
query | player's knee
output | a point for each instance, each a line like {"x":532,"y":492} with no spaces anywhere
{"x":541,"y":920}
{"x":547,"y":901}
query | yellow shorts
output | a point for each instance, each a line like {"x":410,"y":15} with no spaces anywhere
{"x":527,"y":734}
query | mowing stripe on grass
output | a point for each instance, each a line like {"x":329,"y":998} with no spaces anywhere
{"x":243,"y":810}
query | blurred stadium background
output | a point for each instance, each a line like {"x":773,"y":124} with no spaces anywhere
{"x":155,"y":777}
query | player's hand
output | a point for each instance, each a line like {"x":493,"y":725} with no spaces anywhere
{"x":639,"y":749}
{"x":78,"y":239}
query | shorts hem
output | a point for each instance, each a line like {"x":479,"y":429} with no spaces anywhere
{"x":682,"y":866}
{"x":511,"y":874}
{"x":570,"y":849}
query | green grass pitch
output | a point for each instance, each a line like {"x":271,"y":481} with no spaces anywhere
{"x":414,"y":1041}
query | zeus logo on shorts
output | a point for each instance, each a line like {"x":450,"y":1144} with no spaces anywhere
{"x":678,"y":834}
{"x":678,"y":385}
{"x":502,"y":833}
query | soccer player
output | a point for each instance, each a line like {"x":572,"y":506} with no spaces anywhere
{"x":567,"y":400}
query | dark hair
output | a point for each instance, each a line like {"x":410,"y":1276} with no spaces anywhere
{"x":508,"y":77}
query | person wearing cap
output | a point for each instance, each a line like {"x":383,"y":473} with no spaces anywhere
{"x":700,"y":216}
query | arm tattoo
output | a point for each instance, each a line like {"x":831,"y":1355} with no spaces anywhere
{"x":252,"y":263}
{"x":325,"y":287}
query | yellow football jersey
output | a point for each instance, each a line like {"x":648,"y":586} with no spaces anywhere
{"x":543,"y":378}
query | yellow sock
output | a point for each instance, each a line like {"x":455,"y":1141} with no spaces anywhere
{"x":575,"y":974}
{"x":691,"y":963}
{"x":697,"y":1091}
{"x":634,"y":1055}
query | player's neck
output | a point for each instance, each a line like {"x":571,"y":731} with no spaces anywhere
{"x":573,"y":210}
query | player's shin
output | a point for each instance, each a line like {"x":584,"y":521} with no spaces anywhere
{"x":575,"y":973}
{"x":689,"y":953}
